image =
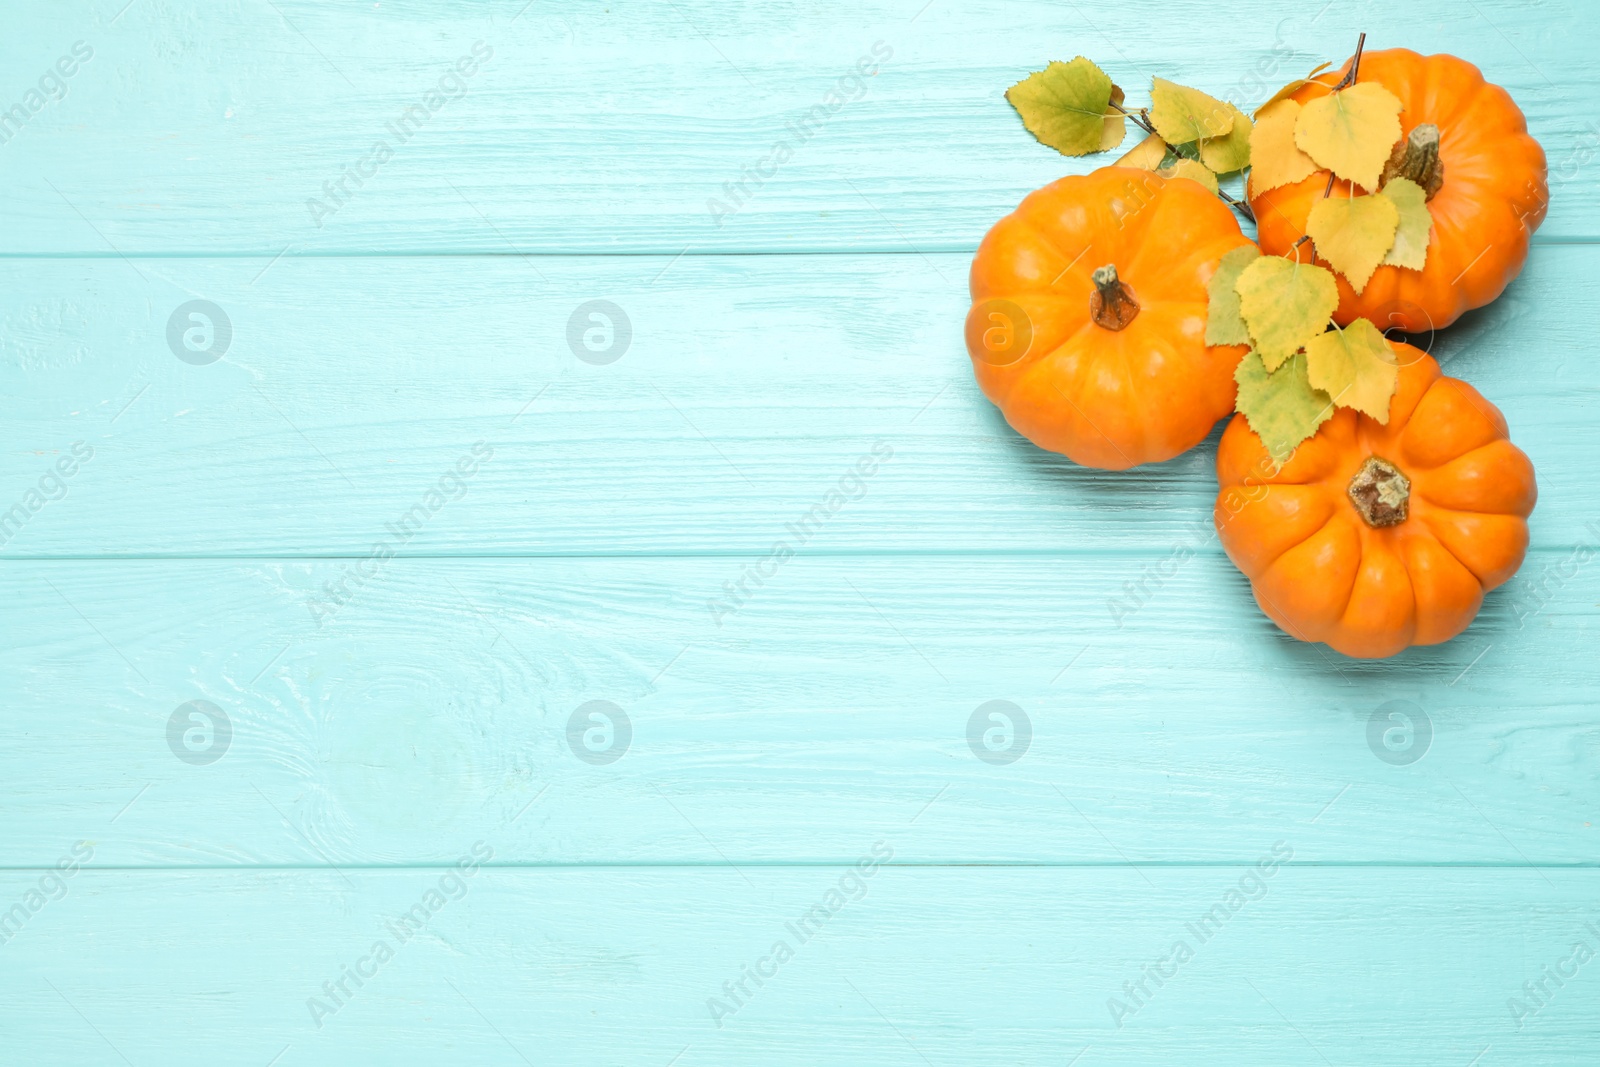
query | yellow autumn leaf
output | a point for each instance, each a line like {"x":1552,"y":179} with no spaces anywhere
{"x":1353,"y":233}
{"x":1274,"y":159}
{"x":1114,"y":123}
{"x":1181,"y":114}
{"x":1351,"y":132}
{"x":1410,"y":249}
{"x":1284,"y":305}
{"x":1356,"y":367}
{"x":1223,"y":323}
{"x":1231,"y":151}
{"x":1188,"y":168}
{"x":1065,"y":106}
{"x":1281,"y":406}
{"x":1146,"y":155}
{"x":1292,"y":87}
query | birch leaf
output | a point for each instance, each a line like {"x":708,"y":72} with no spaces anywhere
{"x":1146,"y":155}
{"x":1064,"y":106}
{"x":1353,"y":233}
{"x":1231,"y":151}
{"x":1356,"y":368}
{"x":1274,"y":158}
{"x":1224,"y":326}
{"x":1115,"y":123}
{"x":1281,"y":406}
{"x":1181,"y":114}
{"x":1292,"y":88}
{"x":1351,"y":132}
{"x":1188,"y":168}
{"x":1284,"y":305}
{"x":1410,"y":249}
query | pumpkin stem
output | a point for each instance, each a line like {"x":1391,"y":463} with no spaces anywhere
{"x":1111,"y":305}
{"x":1417,"y":158}
{"x":1381,"y":493}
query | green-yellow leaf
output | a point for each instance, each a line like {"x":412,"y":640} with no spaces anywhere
{"x":1224,"y":326}
{"x":1351,"y":132}
{"x":1188,"y":168}
{"x":1284,"y":305}
{"x":1274,"y":159}
{"x":1356,"y":367}
{"x":1065,"y":105}
{"x":1231,"y":151}
{"x":1292,"y":88}
{"x":1181,"y":114}
{"x":1410,"y":248}
{"x":1353,"y":233}
{"x":1281,"y":406}
{"x":1148,"y":154}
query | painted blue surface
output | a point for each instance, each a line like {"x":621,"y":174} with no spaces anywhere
{"x":400,"y":641}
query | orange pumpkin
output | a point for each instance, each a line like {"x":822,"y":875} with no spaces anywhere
{"x":1375,"y":537}
{"x":1088,"y":322}
{"x":1466,"y":142}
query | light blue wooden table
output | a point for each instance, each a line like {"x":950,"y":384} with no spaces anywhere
{"x":521,"y":740}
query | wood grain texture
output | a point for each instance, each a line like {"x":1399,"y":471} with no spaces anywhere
{"x":922,"y":966}
{"x":1175,"y":726}
{"x":600,"y":127}
{"x":751,"y":387}
{"x":787,"y":715}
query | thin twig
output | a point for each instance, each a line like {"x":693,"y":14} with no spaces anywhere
{"x":1238,"y":205}
{"x":1355,"y":65}
{"x":1141,"y":119}
{"x":1138,"y":119}
{"x":1348,"y":80}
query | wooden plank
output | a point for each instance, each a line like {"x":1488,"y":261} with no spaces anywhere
{"x":598,"y":127}
{"x":751,"y":387}
{"x":918,"y":966}
{"x":386,"y":717}
{"x":437,"y":705}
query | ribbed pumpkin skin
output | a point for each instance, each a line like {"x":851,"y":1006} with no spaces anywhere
{"x":1493,"y":197}
{"x":1104,"y":398}
{"x":1322,"y":573}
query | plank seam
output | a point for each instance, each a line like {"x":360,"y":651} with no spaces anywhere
{"x":1552,"y":240}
